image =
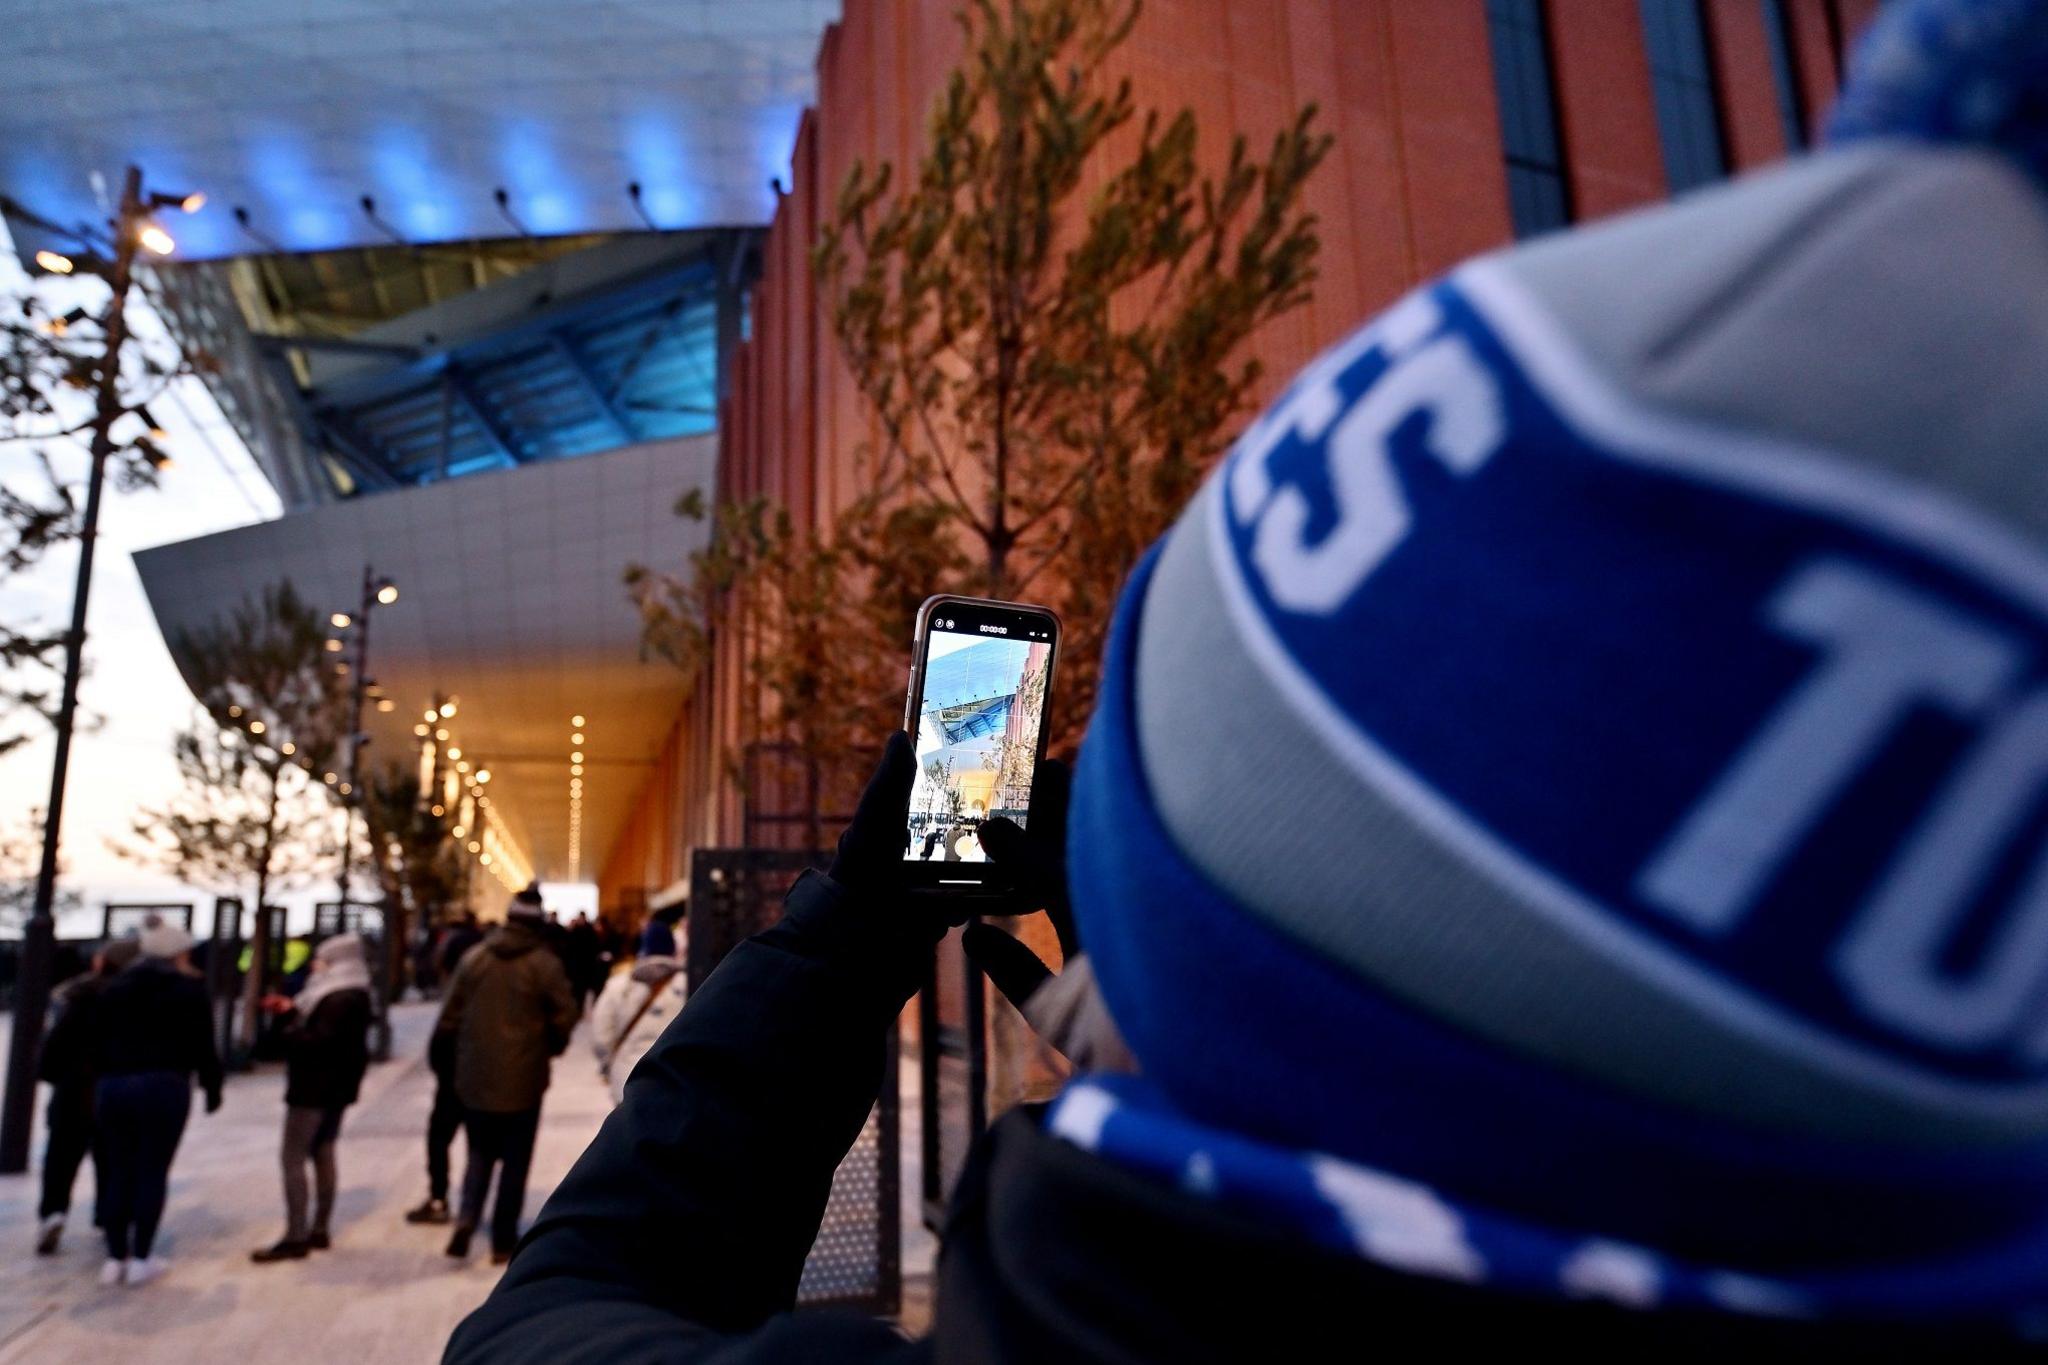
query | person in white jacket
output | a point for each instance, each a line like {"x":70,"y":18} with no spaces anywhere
{"x":632,"y":1010}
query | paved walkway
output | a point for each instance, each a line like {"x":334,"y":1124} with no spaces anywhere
{"x":385,"y":1293}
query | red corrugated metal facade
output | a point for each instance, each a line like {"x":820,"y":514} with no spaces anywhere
{"x":1415,"y":183}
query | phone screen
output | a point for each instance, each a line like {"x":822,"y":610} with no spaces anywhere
{"x":976,"y":722}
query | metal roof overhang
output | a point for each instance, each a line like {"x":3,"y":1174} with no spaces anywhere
{"x":334,"y":125}
{"x":510,"y":600}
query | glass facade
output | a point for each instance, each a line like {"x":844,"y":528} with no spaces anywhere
{"x":1682,"y":85}
{"x":1539,"y":195}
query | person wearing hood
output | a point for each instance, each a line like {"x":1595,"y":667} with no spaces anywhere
{"x":153,"y":1033}
{"x":67,"y":1064}
{"x":510,"y":1010}
{"x":632,"y":1010}
{"x":325,"y":1033}
{"x":1657,"y":615}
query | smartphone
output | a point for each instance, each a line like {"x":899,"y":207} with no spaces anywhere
{"x":980,"y":678}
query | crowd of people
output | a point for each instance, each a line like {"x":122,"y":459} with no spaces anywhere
{"x":129,"y":1036}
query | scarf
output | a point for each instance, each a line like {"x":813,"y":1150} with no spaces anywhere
{"x":1410,"y":1228}
{"x":342,"y":969}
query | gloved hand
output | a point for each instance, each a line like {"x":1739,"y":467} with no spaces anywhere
{"x":859,"y":909}
{"x":213,"y":1101}
{"x":1066,"y":1010}
{"x":1037,"y":859}
{"x":869,"y":860}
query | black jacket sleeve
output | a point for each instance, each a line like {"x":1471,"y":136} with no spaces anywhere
{"x":67,"y":1048}
{"x":198,"y":1025}
{"x":683,"y":1228}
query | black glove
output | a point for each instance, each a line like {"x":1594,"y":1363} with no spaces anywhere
{"x":213,"y":1101}
{"x":869,"y":862}
{"x":1037,"y":858}
{"x":861,"y":909}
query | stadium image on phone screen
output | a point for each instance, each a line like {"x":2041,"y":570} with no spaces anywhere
{"x":976,"y":732}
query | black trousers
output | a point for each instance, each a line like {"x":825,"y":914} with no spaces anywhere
{"x":70,"y":1116}
{"x":139,"y":1121}
{"x":505,"y":1141}
{"x":442,"y":1125}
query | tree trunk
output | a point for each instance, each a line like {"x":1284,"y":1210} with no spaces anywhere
{"x":259,"y":938}
{"x":259,"y":962}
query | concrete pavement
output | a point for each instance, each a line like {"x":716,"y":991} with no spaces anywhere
{"x":384,"y":1294}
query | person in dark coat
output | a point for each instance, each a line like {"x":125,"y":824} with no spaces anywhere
{"x":153,"y":1034}
{"x":67,"y":1065}
{"x":1559,"y":839}
{"x":510,"y":1010}
{"x":444,"y":1121}
{"x":583,"y":956}
{"x":326,"y":1042}
{"x":463,"y":935}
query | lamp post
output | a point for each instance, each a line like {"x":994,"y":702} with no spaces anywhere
{"x":134,"y":227}
{"x":376,"y":592}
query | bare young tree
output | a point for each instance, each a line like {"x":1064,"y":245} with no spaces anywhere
{"x":413,"y":855}
{"x":21,"y":849}
{"x":253,"y":812}
{"x":52,"y":359}
{"x":1053,"y":366}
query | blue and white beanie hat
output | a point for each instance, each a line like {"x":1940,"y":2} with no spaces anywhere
{"x":1586,"y":750}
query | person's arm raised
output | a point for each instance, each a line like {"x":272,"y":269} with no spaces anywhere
{"x":693,"y":1209}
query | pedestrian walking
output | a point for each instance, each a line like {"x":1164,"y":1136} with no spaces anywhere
{"x":583,"y":956}
{"x":1559,"y":834}
{"x":444,"y":1121}
{"x":69,"y":1066}
{"x":510,"y":1010}
{"x":326,"y":1031}
{"x":153,"y":1034}
{"x":635,"y":1005}
{"x":460,"y":937}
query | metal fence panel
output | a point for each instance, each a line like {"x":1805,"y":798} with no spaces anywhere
{"x":128,"y":917}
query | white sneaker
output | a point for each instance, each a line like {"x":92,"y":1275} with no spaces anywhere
{"x":113,"y":1272}
{"x":148,"y":1268}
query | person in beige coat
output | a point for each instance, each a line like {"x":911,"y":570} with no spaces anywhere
{"x":635,"y":1005}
